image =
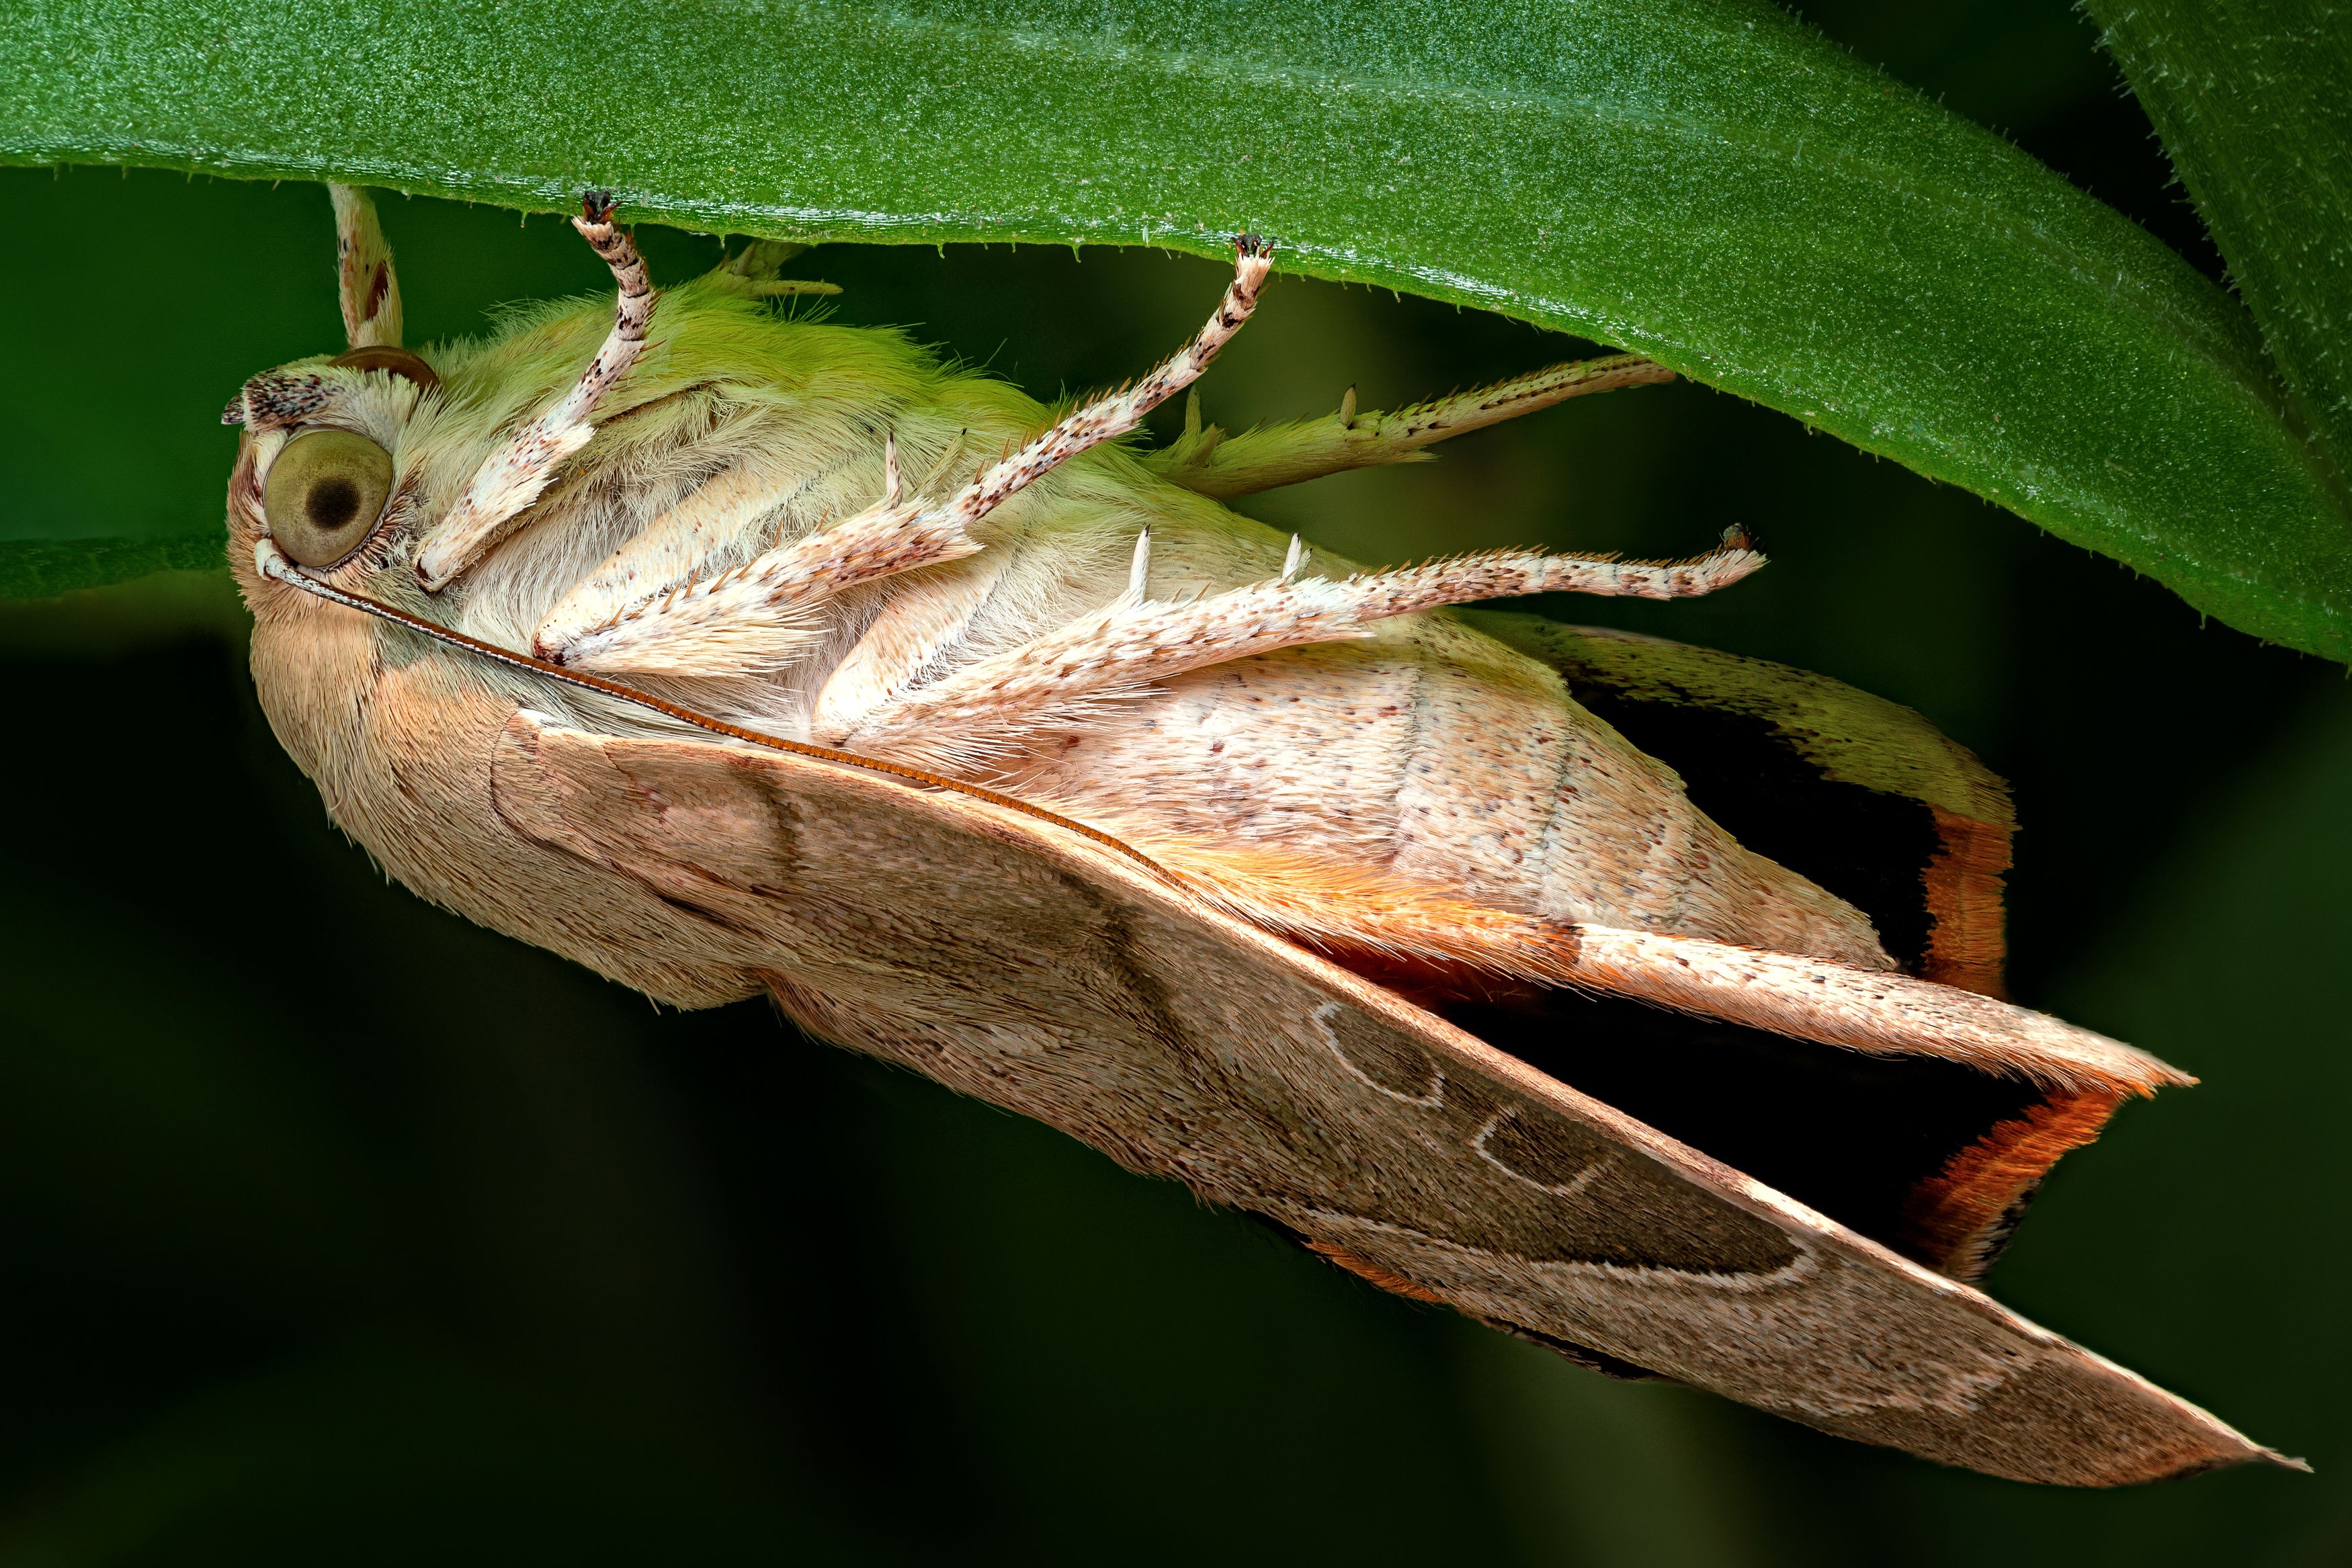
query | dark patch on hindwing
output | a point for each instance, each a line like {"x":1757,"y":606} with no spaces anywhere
{"x":1850,"y":1134}
{"x":1749,"y":739}
{"x":1867,"y":846}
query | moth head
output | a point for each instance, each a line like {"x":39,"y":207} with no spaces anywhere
{"x":327,"y":471}
{"x":358,"y":462}
{"x":326,"y":475}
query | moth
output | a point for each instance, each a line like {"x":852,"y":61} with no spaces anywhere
{"x":1639,"y":1000}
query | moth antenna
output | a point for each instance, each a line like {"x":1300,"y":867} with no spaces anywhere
{"x":1295,"y":559}
{"x":364,"y":280}
{"x":512,"y":478}
{"x":1137,"y":573}
{"x":890,"y":469}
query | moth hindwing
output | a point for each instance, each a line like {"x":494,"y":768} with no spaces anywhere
{"x":1638,"y":1000}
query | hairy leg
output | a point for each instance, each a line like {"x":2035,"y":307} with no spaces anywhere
{"x":680,"y":563}
{"x":760,"y":611}
{"x":1062,"y":676}
{"x":758,"y":617}
{"x":510,"y":478}
{"x":1364,"y":909}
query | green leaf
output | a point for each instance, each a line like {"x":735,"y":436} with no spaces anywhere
{"x":2253,"y":101}
{"x":1704,"y":180}
{"x":40,"y":568}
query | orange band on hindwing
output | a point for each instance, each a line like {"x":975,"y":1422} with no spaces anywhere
{"x":1959,"y":1218}
{"x":1963,"y":881}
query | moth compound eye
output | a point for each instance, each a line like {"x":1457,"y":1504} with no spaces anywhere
{"x":324,"y":494}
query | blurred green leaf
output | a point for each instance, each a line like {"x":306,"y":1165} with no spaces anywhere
{"x":2253,"y":101}
{"x":386,"y":1453}
{"x":39,"y":569}
{"x":1706,"y":180}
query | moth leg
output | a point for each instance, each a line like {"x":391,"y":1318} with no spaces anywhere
{"x":704,"y":532}
{"x":365,"y":282}
{"x":1861,"y":1009}
{"x":1136,"y":640}
{"x":510,"y":478}
{"x":1108,"y":418}
{"x":757,"y":616}
{"x":1213,"y":463}
{"x":1367,"y":911}
{"x":1362,"y":910}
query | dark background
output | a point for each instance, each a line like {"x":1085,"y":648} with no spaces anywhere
{"x":335,"y":1230}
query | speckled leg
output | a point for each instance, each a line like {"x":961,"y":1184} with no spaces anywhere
{"x":510,"y":478}
{"x":979,"y":710}
{"x":757,"y":615}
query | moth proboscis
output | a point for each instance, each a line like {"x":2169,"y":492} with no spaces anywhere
{"x":1640,"y":1000}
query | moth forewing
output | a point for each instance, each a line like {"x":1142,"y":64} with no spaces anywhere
{"x":1059,"y":979}
{"x":1270,"y":825}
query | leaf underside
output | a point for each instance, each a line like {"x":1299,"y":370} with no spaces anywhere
{"x":1704,"y":180}
{"x":2253,"y":101}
